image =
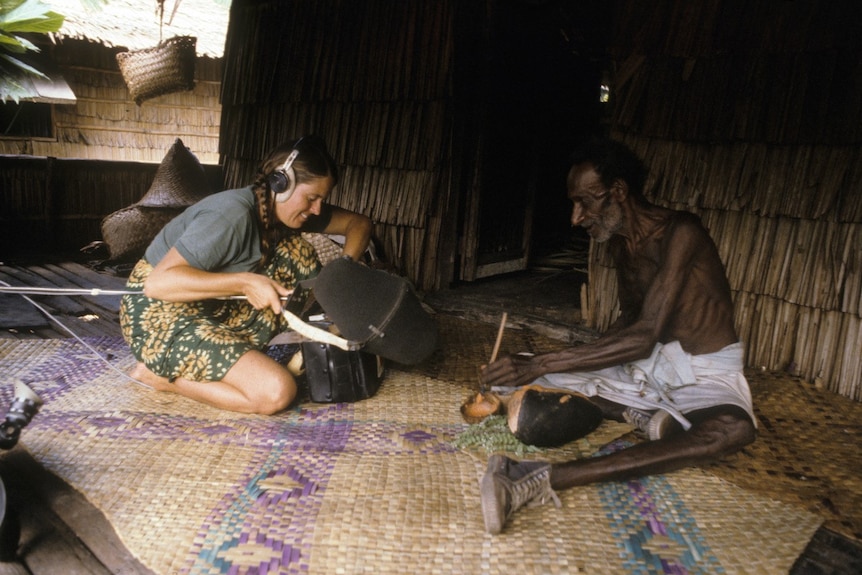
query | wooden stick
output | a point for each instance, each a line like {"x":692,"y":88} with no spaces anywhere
{"x":499,"y":339}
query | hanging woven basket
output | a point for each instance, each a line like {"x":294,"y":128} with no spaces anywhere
{"x":163,"y":69}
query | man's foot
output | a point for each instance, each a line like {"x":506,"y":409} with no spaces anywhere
{"x":654,"y":425}
{"x":509,"y":485}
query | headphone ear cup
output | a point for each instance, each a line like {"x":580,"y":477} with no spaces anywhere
{"x":282,"y":183}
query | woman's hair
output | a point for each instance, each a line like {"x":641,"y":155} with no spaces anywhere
{"x":313,"y":161}
{"x":613,"y":160}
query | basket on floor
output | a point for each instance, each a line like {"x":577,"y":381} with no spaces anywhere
{"x":165,"y":68}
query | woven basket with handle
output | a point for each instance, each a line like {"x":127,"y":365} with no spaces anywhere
{"x":166,"y":68}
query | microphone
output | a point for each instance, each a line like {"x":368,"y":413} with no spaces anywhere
{"x":24,"y":406}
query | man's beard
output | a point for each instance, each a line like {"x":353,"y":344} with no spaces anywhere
{"x":607,"y":224}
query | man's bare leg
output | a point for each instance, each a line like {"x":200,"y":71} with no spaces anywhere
{"x":610,"y":409}
{"x":255,"y":384}
{"x":716,"y":432}
{"x":508,"y":484}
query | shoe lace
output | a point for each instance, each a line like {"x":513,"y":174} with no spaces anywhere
{"x":532,"y":490}
{"x":637,"y":418}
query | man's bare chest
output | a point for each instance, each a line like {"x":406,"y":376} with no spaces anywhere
{"x":638,"y":269}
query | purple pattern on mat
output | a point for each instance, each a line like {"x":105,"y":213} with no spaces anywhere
{"x":73,"y":364}
{"x":642,"y":499}
{"x":651,"y":539}
{"x":418,"y":436}
{"x":272,"y":511}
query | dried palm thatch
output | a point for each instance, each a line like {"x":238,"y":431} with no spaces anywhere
{"x":759,"y":134}
{"x":374,"y":80}
{"x":797,"y":281}
{"x":136,"y":25}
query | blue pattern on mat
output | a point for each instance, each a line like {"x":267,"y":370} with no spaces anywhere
{"x":655,"y":531}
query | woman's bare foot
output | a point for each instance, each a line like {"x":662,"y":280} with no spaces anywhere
{"x":142,"y":374}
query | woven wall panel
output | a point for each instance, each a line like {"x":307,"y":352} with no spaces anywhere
{"x":374,"y":79}
{"x":750,"y":115}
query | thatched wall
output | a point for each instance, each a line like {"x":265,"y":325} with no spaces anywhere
{"x":374,"y":79}
{"x":51,"y":205}
{"x":750,"y":114}
{"x":106,"y":124}
{"x":55,"y":191}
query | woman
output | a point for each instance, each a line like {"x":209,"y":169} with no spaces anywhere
{"x":186,"y":336}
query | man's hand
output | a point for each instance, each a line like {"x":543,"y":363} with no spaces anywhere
{"x":509,"y":371}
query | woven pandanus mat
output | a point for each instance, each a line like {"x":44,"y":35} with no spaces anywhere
{"x":807,"y":452}
{"x":465,"y":346}
{"x":380,"y":486}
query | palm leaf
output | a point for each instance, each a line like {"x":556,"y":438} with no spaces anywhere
{"x":16,"y":44}
{"x":24,"y":67}
{"x":41,"y":23}
{"x":21,"y":17}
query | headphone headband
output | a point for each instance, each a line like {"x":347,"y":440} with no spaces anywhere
{"x":282,"y":181}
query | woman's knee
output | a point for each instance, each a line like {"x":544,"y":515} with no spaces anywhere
{"x":267,"y":386}
{"x":275,"y":394}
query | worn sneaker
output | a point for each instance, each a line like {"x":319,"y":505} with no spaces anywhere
{"x":509,"y":485}
{"x":654,"y":425}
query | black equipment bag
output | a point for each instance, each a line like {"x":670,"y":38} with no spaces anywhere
{"x":337,"y":376}
{"x":376,"y":309}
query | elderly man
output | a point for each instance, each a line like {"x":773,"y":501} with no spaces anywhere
{"x":672,"y":362}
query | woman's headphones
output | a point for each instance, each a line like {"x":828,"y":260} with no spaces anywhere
{"x":282,"y":181}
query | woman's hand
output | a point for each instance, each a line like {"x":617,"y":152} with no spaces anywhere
{"x":262,"y":292}
{"x":356,"y":229}
{"x":173,"y":279}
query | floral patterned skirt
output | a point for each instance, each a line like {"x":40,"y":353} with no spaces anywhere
{"x":201,"y":341}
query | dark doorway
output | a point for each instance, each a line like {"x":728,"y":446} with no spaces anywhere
{"x":541,"y":97}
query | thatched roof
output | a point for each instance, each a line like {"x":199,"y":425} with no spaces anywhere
{"x":134,"y":24}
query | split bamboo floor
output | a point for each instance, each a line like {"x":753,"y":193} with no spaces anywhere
{"x":63,"y":533}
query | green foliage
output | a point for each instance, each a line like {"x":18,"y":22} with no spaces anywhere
{"x":492,"y":435}
{"x":19,"y":17}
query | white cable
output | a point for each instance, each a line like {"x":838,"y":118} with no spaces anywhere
{"x":293,"y":321}
{"x":77,"y":337}
{"x":22,"y":290}
{"x":27,"y":290}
